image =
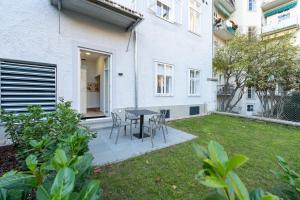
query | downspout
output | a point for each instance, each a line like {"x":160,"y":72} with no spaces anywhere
{"x":135,"y":69}
{"x":135,"y":63}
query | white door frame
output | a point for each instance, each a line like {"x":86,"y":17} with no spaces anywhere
{"x":110,"y":57}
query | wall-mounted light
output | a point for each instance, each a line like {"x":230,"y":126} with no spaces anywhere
{"x":87,"y":53}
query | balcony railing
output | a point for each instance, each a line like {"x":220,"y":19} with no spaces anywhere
{"x":270,"y":4}
{"x":225,"y":89}
{"x":225,"y":29}
{"x":227,"y":7}
{"x":290,"y":22}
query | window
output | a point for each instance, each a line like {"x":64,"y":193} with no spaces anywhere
{"x":250,"y":93}
{"x":27,"y":83}
{"x":252,"y":30}
{"x":194,"y":16}
{"x":251,"y":5}
{"x":163,"y":10}
{"x":164,"y":79}
{"x":194,"y":82}
{"x":250,"y":108}
{"x":194,"y":110}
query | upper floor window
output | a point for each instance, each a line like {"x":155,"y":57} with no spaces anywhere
{"x":194,"y":82}
{"x":250,"y":93}
{"x":194,"y":16}
{"x":251,"y":5}
{"x":164,"y":79}
{"x":163,"y":11}
{"x":169,"y":10}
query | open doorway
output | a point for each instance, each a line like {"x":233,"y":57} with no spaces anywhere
{"x":94,"y":84}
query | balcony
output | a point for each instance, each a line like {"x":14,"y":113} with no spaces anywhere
{"x":270,"y":4}
{"x":225,"y":29}
{"x":226,"y":7}
{"x":224,"y":90}
{"x":104,"y":10}
{"x":285,"y":24}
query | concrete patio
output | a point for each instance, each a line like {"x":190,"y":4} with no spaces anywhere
{"x":105,"y":151}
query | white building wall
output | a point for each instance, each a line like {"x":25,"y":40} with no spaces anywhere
{"x":31,"y":30}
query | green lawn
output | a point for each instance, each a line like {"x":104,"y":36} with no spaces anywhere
{"x":169,"y":173}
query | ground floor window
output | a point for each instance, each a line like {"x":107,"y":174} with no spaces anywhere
{"x":250,"y":108}
{"x":164,"y":79}
{"x":26,"y":84}
{"x":194,"y":82}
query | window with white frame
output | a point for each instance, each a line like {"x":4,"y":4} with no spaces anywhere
{"x":250,"y":108}
{"x":250,"y":93}
{"x":251,"y":5}
{"x":194,"y":16}
{"x":164,"y":79}
{"x":163,"y":10}
{"x":194,"y":82}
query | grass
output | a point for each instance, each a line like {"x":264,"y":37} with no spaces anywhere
{"x":169,"y":173}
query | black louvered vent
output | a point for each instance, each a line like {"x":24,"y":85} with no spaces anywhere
{"x":26,"y":83}
{"x":194,"y":110}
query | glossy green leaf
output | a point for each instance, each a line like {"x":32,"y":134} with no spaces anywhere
{"x":60,"y":159}
{"x":235,"y":162}
{"x":82,"y":164}
{"x":269,"y":197}
{"x":200,"y":151}
{"x":31,"y":162}
{"x":63,"y":184}
{"x":214,"y":182}
{"x":15,"y":180}
{"x":91,"y":191}
{"x":238,"y":186}
{"x":42,"y":193}
{"x":217,"y":152}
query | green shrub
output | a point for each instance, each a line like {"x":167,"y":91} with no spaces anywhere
{"x":40,"y":133}
{"x":218,"y":173}
{"x":54,"y":149}
{"x":288,"y":176}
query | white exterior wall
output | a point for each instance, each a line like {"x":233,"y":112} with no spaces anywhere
{"x":30,"y":31}
{"x":245,"y":18}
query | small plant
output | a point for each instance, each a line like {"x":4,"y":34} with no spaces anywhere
{"x":288,"y":175}
{"x":40,"y":133}
{"x":60,"y":179}
{"x":218,"y":172}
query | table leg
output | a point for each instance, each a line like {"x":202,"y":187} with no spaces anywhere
{"x":141,"y":125}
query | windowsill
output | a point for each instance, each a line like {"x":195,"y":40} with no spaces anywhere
{"x":166,"y":20}
{"x":194,"y":95}
{"x":164,"y":95}
{"x":194,"y":33}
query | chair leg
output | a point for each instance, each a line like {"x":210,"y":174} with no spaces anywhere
{"x":112,"y":128}
{"x":152,"y":137}
{"x":166,"y":129}
{"x":119,"y":129}
{"x":124,"y":130}
{"x":164,"y":134}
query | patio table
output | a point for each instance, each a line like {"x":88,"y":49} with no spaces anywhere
{"x":141,"y":113}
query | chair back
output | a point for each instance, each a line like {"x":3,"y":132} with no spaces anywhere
{"x":116,"y":119}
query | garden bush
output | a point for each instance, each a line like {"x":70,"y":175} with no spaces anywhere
{"x":53,"y":148}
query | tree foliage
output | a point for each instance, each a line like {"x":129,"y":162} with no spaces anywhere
{"x":270,"y":66}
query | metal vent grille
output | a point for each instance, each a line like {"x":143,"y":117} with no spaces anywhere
{"x":26,"y":83}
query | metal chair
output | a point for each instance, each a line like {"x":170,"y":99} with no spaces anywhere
{"x":118,"y":123}
{"x":155,"y":123}
{"x":132,"y":118}
{"x":163,"y":122}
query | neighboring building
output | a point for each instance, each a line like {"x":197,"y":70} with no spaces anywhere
{"x":270,"y":19}
{"x":247,"y":17}
{"x":104,"y":56}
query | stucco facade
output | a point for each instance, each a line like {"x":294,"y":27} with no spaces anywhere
{"x":33,"y":30}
